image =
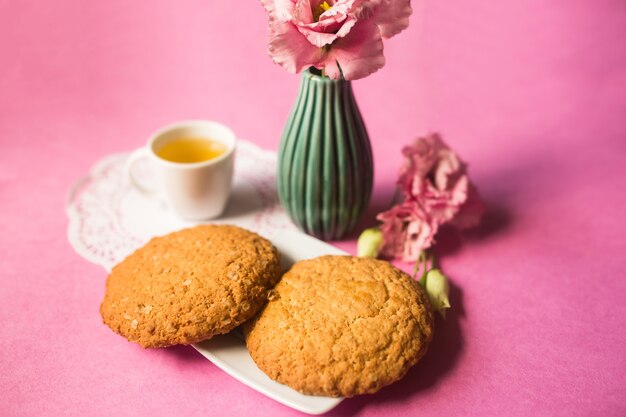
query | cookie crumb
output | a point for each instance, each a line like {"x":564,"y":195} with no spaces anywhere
{"x":272,"y":295}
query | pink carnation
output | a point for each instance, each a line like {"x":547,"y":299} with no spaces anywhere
{"x":434,"y":176}
{"x":407,"y":230}
{"x":337,"y":36}
{"x":436,"y":190}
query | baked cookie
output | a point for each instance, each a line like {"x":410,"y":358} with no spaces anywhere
{"x":190,"y":285}
{"x":341,"y":326}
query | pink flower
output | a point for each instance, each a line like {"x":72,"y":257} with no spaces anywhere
{"x":435,"y":177}
{"x":337,"y":36}
{"x":407,"y":230}
{"x":436,"y":190}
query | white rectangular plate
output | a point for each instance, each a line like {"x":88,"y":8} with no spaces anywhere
{"x":229,"y":353}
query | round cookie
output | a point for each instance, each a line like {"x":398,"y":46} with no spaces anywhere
{"x":190,"y":285}
{"x":341,"y":326}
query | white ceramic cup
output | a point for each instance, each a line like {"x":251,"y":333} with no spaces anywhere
{"x":195,"y":191}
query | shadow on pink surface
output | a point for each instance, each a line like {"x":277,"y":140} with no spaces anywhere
{"x":497,"y":219}
{"x":186,"y":354}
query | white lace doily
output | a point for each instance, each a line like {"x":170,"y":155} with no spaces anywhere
{"x":109,"y":219}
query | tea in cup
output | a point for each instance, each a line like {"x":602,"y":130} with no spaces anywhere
{"x":192,"y":162}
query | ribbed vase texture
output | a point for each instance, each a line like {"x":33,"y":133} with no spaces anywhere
{"x":325,"y":168}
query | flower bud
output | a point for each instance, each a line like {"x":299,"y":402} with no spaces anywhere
{"x":438,"y":288}
{"x":369,"y":243}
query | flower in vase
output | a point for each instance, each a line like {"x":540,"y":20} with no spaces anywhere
{"x":339,"y":37}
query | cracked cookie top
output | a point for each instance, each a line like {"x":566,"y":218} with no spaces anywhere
{"x":341,"y":326}
{"x":190,"y":285}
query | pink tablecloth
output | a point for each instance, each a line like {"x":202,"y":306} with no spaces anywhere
{"x":531,"y":93}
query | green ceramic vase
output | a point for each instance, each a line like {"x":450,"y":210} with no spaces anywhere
{"x":325,"y":167}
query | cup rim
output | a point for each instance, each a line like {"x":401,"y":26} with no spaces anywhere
{"x":191,"y":123}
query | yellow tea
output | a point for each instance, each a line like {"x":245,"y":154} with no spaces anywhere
{"x":191,"y":149}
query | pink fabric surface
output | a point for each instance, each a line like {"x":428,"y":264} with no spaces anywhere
{"x":532,"y":94}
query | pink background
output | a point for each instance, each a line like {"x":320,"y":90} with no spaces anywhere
{"x":531,"y":93}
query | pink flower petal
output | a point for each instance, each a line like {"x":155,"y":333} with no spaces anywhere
{"x":407,"y":230}
{"x":319,"y":39}
{"x":329,"y":23}
{"x":420,"y":235}
{"x":304,"y":11}
{"x":322,"y":35}
{"x":447,"y":170}
{"x":339,"y":7}
{"x":346,"y":27}
{"x":281,"y":9}
{"x":393,"y":17}
{"x":359,"y":53}
{"x":290,"y":49}
{"x":363,"y":9}
{"x":421,"y":157}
